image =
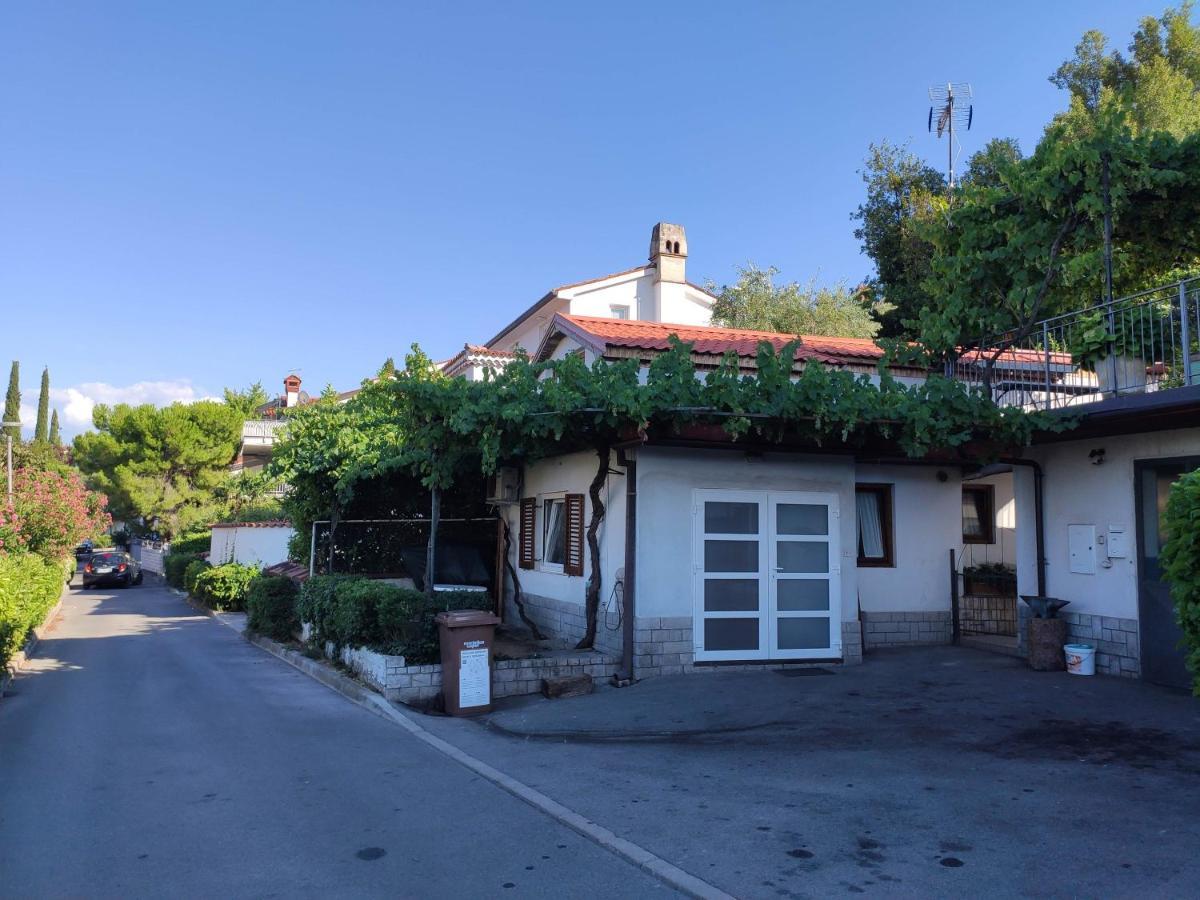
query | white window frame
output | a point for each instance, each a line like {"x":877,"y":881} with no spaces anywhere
{"x":622,"y":307}
{"x":542,"y":522}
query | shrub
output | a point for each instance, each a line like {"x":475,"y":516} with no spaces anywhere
{"x":315,"y":604}
{"x":192,"y":572}
{"x":355,"y":617}
{"x":421,"y":646}
{"x":175,"y":566}
{"x":194,"y":544}
{"x":1181,"y":564}
{"x":224,"y":587}
{"x":29,"y":586}
{"x":271,"y":603}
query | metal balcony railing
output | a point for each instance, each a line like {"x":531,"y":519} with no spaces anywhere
{"x":1137,"y":344}
{"x":262,"y":431}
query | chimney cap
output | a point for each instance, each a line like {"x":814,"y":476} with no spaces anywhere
{"x":292,"y":382}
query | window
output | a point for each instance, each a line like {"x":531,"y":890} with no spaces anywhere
{"x":619,"y":312}
{"x":978,"y":514}
{"x":873,"y":506}
{"x":554,"y":531}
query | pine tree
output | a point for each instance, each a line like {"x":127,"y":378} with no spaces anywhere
{"x":41,"y":432}
{"x":12,"y":401}
{"x":55,"y":436}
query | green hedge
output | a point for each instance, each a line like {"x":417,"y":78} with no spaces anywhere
{"x":29,"y":587}
{"x":192,"y":572}
{"x":271,"y":604}
{"x":175,"y":567}
{"x":195,"y":543}
{"x":225,"y":587}
{"x":1181,"y":565}
{"x":359,"y":612}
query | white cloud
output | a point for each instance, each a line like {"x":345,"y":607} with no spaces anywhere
{"x":75,"y":404}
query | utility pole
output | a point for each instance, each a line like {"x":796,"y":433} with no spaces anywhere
{"x":8,"y":455}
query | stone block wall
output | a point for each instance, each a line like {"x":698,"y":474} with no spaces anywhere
{"x":1118,"y":650}
{"x":566,"y":620}
{"x":906,"y":629}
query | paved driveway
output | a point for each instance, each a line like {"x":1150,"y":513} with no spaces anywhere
{"x":153,"y":752}
{"x":924,"y":773}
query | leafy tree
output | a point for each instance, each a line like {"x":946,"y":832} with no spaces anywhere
{"x":161,"y":465}
{"x":55,"y":434}
{"x":987,"y":167}
{"x":41,"y":432}
{"x":12,"y":402}
{"x":901,"y":189}
{"x":756,"y":302}
{"x":1156,"y":85}
{"x":248,"y":401}
{"x":1180,"y":559}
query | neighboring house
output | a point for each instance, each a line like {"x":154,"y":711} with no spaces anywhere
{"x":754,"y":553}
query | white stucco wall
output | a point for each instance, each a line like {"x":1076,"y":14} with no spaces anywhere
{"x":573,"y":473}
{"x":249,"y":545}
{"x":927,"y":525}
{"x":666,"y":481}
{"x":1079,"y":493}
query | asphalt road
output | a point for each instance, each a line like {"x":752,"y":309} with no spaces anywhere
{"x":151,"y":751}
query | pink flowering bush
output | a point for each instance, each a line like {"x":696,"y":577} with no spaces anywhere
{"x":50,"y":514}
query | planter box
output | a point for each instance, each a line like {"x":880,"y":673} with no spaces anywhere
{"x":1121,"y":375}
{"x":979,"y":586}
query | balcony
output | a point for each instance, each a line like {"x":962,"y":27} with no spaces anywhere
{"x":1140,"y":344}
{"x":259,"y":435}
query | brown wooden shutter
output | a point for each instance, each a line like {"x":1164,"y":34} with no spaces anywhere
{"x":525,"y":540}
{"x":573,"y":564}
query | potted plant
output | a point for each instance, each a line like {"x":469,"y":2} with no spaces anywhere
{"x":1117,"y":351}
{"x":990,"y":580}
{"x":1047,"y":633}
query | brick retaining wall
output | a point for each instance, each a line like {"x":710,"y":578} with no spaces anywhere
{"x":1118,"y":651}
{"x":906,"y":629}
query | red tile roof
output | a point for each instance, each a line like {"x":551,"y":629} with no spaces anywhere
{"x":268,"y":523}
{"x":716,"y":341}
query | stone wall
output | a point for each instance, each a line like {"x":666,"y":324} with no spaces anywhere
{"x":565,"y":620}
{"x":906,"y":629}
{"x":1118,"y":651}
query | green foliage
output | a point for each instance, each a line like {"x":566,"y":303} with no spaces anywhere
{"x":756,"y":302}
{"x":246,"y":403}
{"x":51,"y":512}
{"x":41,"y":432}
{"x":161,"y":464}
{"x":192,"y":571}
{"x":271,"y":605}
{"x":55,"y":434}
{"x":175,"y":566}
{"x":12,"y":402}
{"x":1180,"y":558}
{"x":194,"y":543}
{"x":29,"y":587}
{"x":224,"y":587}
{"x":358,"y":612}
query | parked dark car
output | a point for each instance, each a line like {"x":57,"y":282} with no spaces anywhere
{"x":85,"y":549}
{"x":111,"y":567}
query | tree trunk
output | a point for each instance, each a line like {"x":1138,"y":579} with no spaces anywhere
{"x":592,"y":596}
{"x":517,"y":598}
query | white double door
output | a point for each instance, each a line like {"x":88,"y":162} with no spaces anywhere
{"x":767,"y":575}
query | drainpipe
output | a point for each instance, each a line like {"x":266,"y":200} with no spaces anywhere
{"x":1039,"y":516}
{"x":627,"y":459}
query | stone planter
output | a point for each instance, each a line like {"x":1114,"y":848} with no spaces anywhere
{"x":1121,"y":375}
{"x":1046,"y":639}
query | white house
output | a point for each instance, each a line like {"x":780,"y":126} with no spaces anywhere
{"x":715,"y":553}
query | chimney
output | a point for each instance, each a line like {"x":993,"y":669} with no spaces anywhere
{"x":291,"y":391}
{"x":668,"y":252}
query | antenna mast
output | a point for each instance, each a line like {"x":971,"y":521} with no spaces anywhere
{"x":951,"y":104}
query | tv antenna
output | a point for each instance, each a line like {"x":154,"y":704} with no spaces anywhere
{"x":950,"y":107}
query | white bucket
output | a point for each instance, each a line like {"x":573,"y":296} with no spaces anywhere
{"x":1081,"y":659}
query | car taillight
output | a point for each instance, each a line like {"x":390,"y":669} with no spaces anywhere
{"x":88,"y":567}
{"x":121,"y":567}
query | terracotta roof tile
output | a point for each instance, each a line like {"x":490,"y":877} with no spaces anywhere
{"x":712,"y":340}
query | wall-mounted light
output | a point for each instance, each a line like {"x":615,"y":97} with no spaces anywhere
{"x":1097,"y":456}
{"x":942,"y":476}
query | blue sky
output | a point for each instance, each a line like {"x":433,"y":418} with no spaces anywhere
{"x":195,"y":195}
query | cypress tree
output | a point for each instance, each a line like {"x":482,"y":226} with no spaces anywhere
{"x":41,"y":432}
{"x":12,"y":401}
{"x":55,"y":437}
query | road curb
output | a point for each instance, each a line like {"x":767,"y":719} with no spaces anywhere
{"x":17,"y":664}
{"x":666,"y":872}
